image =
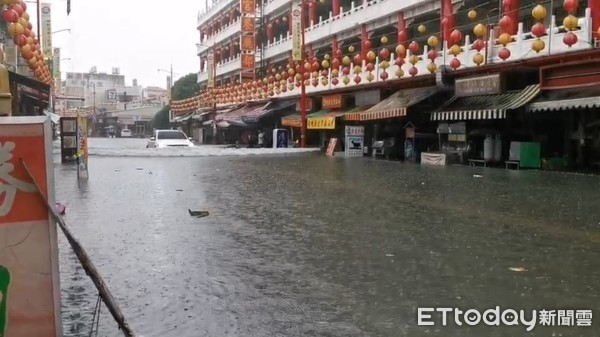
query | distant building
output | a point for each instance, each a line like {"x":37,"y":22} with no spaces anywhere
{"x":155,"y":95}
{"x":101,"y":90}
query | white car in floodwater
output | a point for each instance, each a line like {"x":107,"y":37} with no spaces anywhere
{"x":169,"y":138}
{"x":125,"y":133}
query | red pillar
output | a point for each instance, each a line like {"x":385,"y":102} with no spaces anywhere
{"x":312,"y":6}
{"x":334,"y":45}
{"x":270,"y":32}
{"x":594,"y":6}
{"x":364,"y":36}
{"x":335,"y":7}
{"x":402,"y":32}
{"x":511,"y":10}
{"x":448,"y":21}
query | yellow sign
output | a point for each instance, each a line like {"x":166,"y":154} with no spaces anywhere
{"x":211,"y":71}
{"x":46,"y":19}
{"x":321,"y":123}
{"x":297,"y":31}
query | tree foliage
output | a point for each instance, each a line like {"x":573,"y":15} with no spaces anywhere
{"x":185,"y":87}
{"x":161,"y":119}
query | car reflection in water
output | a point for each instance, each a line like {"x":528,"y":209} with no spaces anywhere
{"x":169,"y":138}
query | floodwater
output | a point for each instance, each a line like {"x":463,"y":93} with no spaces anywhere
{"x":306,"y":245}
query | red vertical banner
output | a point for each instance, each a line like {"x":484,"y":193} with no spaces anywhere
{"x":248,"y":39}
{"x":29,"y":276}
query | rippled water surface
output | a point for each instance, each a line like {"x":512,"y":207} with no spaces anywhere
{"x":300,"y":244}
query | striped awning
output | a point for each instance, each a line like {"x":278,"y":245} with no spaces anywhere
{"x":295,"y":121}
{"x":395,"y":105}
{"x":557,"y":100}
{"x":485,"y":106}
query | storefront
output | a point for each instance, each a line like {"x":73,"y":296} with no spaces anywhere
{"x":486,"y":113}
{"x":565,"y":118}
{"x":385,"y":121}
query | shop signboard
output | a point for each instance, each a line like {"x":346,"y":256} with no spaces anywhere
{"x":477,"y":86}
{"x":248,"y":39}
{"x":321,"y":123}
{"x":354,"y":141}
{"x":82,"y":148}
{"x":297,"y":31}
{"x":332,"y":102}
{"x":29,"y":271}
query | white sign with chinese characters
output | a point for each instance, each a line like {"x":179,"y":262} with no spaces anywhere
{"x":46,"y":19}
{"x":354,"y":141}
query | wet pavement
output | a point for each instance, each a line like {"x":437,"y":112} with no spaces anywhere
{"x":305,"y":245}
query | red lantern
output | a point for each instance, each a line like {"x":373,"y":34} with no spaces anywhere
{"x":335,"y":64}
{"x":315,"y":66}
{"x":455,"y":63}
{"x":413,"y":71}
{"x":455,"y":37}
{"x":507,"y":3}
{"x":504,"y":54}
{"x":10,"y":15}
{"x":402,"y":36}
{"x":571,"y":5}
{"x":315,"y":82}
{"x":307,"y":66}
{"x":399,"y":61}
{"x":346,"y":71}
{"x":370,"y":67}
{"x":325,"y":73}
{"x":339,"y":53}
{"x":357,"y":60}
{"x":20,"y":40}
{"x":17,"y":8}
{"x":335,"y":81}
{"x":23,"y":5}
{"x":357,"y":79}
{"x":384,"y":54}
{"x":414,"y":47}
{"x":384,"y":75}
{"x":538,"y":29}
{"x":570,"y":39}
{"x":432,"y":55}
{"x":478,"y":45}
{"x":367,"y":45}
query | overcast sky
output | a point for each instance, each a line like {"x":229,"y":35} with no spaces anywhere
{"x":138,"y":36}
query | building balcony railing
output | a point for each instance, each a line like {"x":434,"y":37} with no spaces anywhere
{"x":520,"y":48}
{"x":324,"y":29}
{"x":217,"y":7}
{"x":222,"y":69}
{"x":272,"y":5}
{"x":224,"y":34}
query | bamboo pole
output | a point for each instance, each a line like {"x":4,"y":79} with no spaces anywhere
{"x":86,"y":263}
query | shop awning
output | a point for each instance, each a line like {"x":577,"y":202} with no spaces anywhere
{"x":485,"y":106}
{"x":242,"y":111}
{"x":395,"y":105}
{"x":183,"y":118}
{"x":29,"y":82}
{"x":557,"y":100}
{"x":273,"y":107}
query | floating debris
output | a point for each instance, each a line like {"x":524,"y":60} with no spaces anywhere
{"x":517,"y":269}
{"x":178,"y":190}
{"x":389,"y":255}
{"x":198,"y":214}
{"x":477,"y":176}
{"x":139,"y":169}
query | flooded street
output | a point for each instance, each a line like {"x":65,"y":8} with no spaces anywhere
{"x":304,"y":245}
